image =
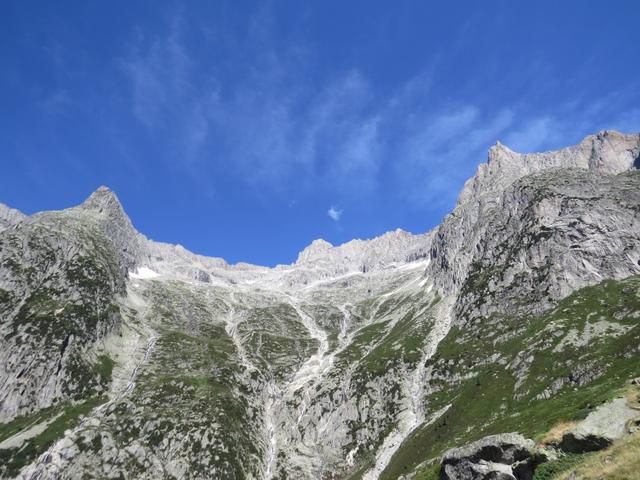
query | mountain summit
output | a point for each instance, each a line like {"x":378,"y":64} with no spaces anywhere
{"x":9,"y":216}
{"x":608,"y":152}
{"x":103,"y":199}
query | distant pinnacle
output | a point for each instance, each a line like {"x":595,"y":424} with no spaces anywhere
{"x":103,"y":199}
{"x":9,"y":216}
{"x":314,"y":250}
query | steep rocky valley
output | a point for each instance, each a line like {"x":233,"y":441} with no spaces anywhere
{"x":122,"y":357}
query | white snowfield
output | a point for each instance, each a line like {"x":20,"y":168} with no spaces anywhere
{"x":144,"y":273}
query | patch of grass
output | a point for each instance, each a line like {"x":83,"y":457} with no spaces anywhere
{"x":550,"y":470}
{"x":555,"y":433}
{"x":404,"y":341}
{"x":621,"y":461}
{"x":104,"y":369}
{"x":12,"y":460}
{"x":429,"y":473}
{"x":5,"y":297}
{"x":18,"y":424}
{"x":364,"y":337}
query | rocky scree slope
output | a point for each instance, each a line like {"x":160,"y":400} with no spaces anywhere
{"x":127,"y":358}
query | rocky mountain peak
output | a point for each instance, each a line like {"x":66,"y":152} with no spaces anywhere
{"x":9,"y":216}
{"x":498,"y":151}
{"x":612,"y":151}
{"x":315,"y":250}
{"x":103,"y":200}
{"x":103,"y":205}
{"x":607,"y":151}
{"x":384,"y":251}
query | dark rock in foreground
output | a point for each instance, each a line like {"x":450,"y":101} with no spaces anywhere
{"x":507,"y":456}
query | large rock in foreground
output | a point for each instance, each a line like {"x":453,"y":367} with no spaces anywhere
{"x":507,"y":456}
{"x":601,"y":428}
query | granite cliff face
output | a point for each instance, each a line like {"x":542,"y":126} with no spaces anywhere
{"x":495,"y":191}
{"x":121,"y":357}
{"x":606,"y":152}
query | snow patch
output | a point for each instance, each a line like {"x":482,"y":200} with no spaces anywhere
{"x":143,"y":273}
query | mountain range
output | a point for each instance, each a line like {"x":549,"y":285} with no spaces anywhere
{"x":122,"y":357}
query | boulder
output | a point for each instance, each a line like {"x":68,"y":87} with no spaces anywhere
{"x":507,"y":456}
{"x":601,"y":428}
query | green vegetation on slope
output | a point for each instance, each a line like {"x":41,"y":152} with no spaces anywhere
{"x":190,"y":392}
{"x":64,"y":417}
{"x":550,"y":470}
{"x":619,"y":462}
{"x":504,"y":374}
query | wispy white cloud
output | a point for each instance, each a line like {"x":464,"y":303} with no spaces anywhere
{"x":57,"y":102}
{"x":532,"y":134}
{"x":334,"y":213}
{"x":264,"y":129}
{"x":275,"y":132}
{"x":159,"y":70}
{"x":570,"y":122}
{"x":440,"y":149}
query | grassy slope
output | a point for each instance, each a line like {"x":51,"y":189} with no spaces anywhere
{"x":619,"y":462}
{"x":66,"y":417}
{"x":481,"y":386}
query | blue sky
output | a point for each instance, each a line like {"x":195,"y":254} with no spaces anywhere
{"x":247,"y":129}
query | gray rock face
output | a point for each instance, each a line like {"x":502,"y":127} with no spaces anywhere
{"x":9,"y":216}
{"x":606,"y":152}
{"x":61,"y":275}
{"x":366,"y":255}
{"x":506,"y":456}
{"x":572,"y":228}
{"x":542,"y":224}
{"x":109,"y":217}
{"x":601,"y":428}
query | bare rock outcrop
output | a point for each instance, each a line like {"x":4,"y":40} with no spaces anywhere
{"x":601,"y":428}
{"x":9,"y":216}
{"x":541,"y":225}
{"x":605,"y":152}
{"x":507,"y":456}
